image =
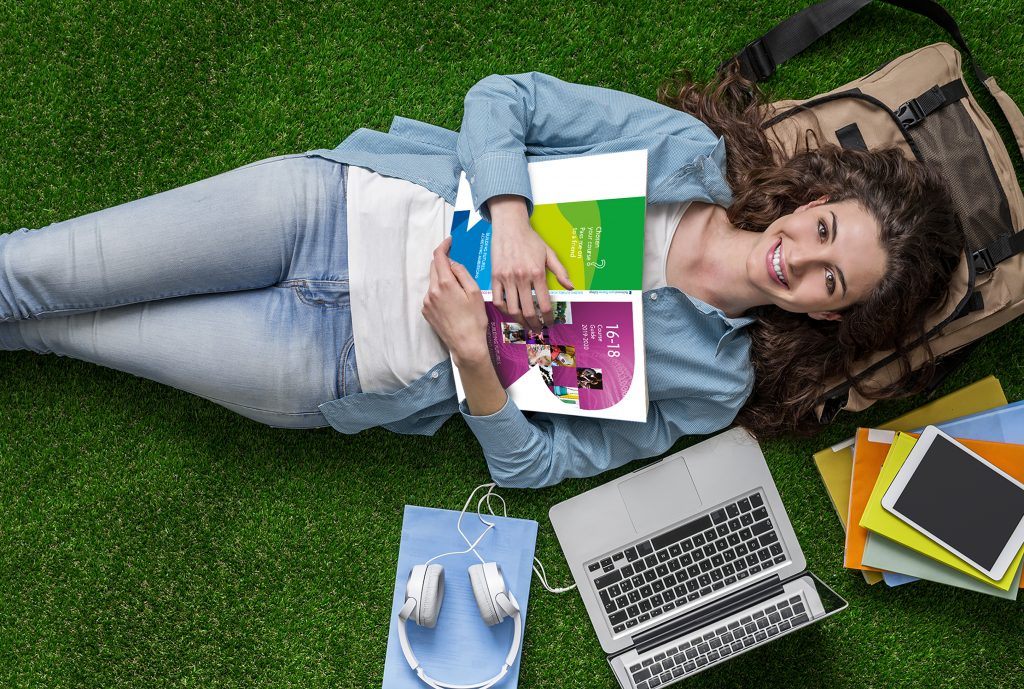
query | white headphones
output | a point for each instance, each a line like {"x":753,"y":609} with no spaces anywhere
{"x":425,"y":591}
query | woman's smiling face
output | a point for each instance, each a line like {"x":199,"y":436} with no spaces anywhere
{"x":818,"y":260}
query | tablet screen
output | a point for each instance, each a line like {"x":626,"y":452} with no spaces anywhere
{"x":962,"y":502}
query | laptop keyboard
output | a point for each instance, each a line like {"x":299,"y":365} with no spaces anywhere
{"x":730,"y":636}
{"x":686,"y":563}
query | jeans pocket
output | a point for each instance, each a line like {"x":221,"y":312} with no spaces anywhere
{"x":332,"y":296}
{"x":347,"y":381}
{"x":327,"y":294}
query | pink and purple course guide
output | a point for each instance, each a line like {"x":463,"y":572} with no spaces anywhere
{"x":590,"y":360}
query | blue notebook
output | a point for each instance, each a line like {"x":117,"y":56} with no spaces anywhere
{"x":461,"y":649}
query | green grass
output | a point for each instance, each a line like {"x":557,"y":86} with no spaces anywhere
{"x":149,"y":538}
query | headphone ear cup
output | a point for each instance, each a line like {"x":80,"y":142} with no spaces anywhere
{"x":484,"y":595}
{"x":431,"y":596}
{"x":413,"y":587}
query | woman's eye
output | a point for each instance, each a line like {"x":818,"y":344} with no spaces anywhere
{"x":830,"y":281}
{"x":822,"y":231}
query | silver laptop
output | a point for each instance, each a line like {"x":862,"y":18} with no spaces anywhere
{"x":688,"y":562}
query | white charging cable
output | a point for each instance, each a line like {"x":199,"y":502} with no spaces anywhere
{"x":485,"y":499}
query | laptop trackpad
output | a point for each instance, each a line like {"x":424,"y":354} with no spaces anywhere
{"x":662,"y":495}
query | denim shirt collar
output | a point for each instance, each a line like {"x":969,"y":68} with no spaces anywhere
{"x":733,"y":326}
{"x":702,"y":179}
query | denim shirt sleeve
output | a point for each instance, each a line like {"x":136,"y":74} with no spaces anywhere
{"x":544,"y":450}
{"x":508,"y":117}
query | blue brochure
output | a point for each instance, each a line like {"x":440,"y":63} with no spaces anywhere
{"x":461,"y":649}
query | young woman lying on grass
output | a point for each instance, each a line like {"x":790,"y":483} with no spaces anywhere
{"x":315,"y":289}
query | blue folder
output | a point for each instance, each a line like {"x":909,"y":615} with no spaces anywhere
{"x":1002,"y":425}
{"x":461,"y":649}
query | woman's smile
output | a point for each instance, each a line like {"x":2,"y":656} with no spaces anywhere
{"x":776,"y":265}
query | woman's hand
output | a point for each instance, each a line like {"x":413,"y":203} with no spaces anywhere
{"x":519,"y":261}
{"x":455,"y":310}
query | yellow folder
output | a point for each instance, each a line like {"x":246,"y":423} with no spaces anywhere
{"x":835,"y":464}
{"x":878,"y":519}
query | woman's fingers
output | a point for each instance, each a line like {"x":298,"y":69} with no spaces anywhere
{"x":442,"y":266}
{"x":526,"y":304}
{"x":432,"y":289}
{"x":441,"y":254}
{"x":531,"y":297}
{"x":523,"y":296}
{"x":498,"y":296}
{"x":561,"y":274}
{"x":516,"y":301}
{"x":539,"y":313}
{"x":544,"y":303}
{"x":465,"y":280}
{"x":512,"y":303}
{"x":448,"y":275}
{"x":559,"y":271}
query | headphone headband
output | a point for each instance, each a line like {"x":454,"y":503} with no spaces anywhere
{"x":414,"y":663}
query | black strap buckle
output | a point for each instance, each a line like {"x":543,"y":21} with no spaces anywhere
{"x":983,"y":262}
{"x":909,"y":114}
{"x":998,"y":250}
{"x":914,"y":110}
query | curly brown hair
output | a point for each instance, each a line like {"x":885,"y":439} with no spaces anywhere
{"x":794,"y":355}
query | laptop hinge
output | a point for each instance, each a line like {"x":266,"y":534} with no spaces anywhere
{"x":707,"y":614}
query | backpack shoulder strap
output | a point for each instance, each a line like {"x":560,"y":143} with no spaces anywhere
{"x":760,"y":58}
{"x":790,"y":37}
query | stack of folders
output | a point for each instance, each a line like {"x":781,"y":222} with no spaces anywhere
{"x":857,"y":473}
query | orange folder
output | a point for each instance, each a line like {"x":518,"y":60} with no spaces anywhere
{"x":867,"y":465}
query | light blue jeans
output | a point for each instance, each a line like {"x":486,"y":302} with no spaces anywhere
{"x":234,"y":288}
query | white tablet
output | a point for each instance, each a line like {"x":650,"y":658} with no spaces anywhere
{"x":961,"y":501}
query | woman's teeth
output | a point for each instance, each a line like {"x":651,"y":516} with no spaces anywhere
{"x":777,"y":264}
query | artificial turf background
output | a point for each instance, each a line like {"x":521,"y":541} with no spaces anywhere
{"x":150,"y":538}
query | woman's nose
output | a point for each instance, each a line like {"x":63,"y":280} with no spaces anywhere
{"x":800,"y":257}
{"x":794,"y":260}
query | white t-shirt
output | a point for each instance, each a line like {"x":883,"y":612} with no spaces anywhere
{"x":660,"y":225}
{"x":393,"y":228}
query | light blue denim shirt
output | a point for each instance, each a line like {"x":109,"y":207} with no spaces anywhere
{"x":698,"y":360}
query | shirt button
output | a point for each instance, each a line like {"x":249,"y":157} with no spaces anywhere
{"x":654,"y":297}
{"x":472,"y":179}
{"x":434,"y":375}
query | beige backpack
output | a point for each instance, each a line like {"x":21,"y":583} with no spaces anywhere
{"x":920,"y":103}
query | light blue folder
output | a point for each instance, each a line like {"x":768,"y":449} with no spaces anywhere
{"x":1003,"y":424}
{"x":461,"y":649}
{"x":895,"y":579}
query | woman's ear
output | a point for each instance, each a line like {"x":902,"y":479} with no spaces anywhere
{"x":826,"y":316}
